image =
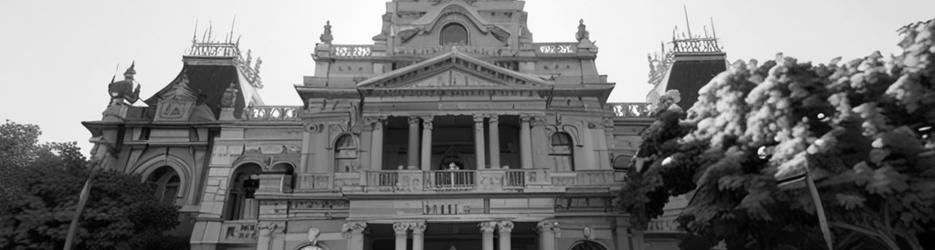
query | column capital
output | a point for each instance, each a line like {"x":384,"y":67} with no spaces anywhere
{"x":505,"y":226}
{"x":479,"y":118}
{"x":413,"y":120}
{"x":401,"y":227}
{"x":426,"y":124}
{"x":494,"y":118}
{"x":525,"y":117}
{"x":547,"y":225}
{"x":355,"y":227}
{"x":417,"y":227}
{"x":487,"y":226}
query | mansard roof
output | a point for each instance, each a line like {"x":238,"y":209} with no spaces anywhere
{"x":405,"y":77}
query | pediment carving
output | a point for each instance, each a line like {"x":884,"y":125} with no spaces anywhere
{"x":177,"y":103}
{"x":451,"y":71}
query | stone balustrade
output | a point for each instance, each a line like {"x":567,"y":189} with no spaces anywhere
{"x":486,"y":180}
{"x":555,"y":48}
{"x":272,"y":113}
{"x":632,"y":109}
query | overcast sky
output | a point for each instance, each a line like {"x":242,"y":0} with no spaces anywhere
{"x":57,"y":57}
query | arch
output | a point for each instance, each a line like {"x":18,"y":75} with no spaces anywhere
{"x":149,"y":166}
{"x":167,"y":182}
{"x":243,"y":183}
{"x":453,"y":33}
{"x":587,"y":245}
{"x":345,"y":153}
{"x":561,"y":151}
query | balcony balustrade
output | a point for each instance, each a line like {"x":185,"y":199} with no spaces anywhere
{"x":486,"y":180}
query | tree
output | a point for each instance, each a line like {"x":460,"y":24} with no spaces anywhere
{"x":861,"y":130}
{"x":39,"y":196}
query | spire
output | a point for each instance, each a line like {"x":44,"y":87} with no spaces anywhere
{"x":130,"y":71}
{"x":687,"y":25}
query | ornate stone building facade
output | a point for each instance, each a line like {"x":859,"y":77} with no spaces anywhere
{"x":452,"y":130}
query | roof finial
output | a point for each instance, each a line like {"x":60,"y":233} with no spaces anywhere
{"x":130,"y":71}
{"x":195,"y":32}
{"x":582,"y":31}
{"x":713,"y":34}
{"x":326,"y":36}
{"x":687,"y":25}
{"x":230,"y":36}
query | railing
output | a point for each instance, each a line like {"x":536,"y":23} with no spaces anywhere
{"x":696,"y":45}
{"x":486,"y":180}
{"x":633,"y":109}
{"x":449,"y":180}
{"x":272,"y":113}
{"x":555,"y":48}
{"x":663,"y":225}
{"x":438,"y":49}
{"x":584,"y":178}
{"x":238,"y":231}
{"x":314,"y":181}
{"x":351,"y":50}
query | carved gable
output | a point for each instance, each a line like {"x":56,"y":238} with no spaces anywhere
{"x":177,"y":103}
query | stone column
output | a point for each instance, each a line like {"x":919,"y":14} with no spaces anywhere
{"x":494,"y":125}
{"x":479,"y":140}
{"x":376,"y":145}
{"x":354,"y":232}
{"x":413,"y":154}
{"x":525,"y":142}
{"x":426,"y":143}
{"x":418,"y":235}
{"x":505,"y":228}
{"x":401,"y":229}
{"x":486,"y":230}
{"x":547,"y":230}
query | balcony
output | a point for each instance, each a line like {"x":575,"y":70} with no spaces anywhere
{"x":448,"y":181}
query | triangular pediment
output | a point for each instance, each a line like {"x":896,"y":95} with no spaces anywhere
{"x":454,"y":70}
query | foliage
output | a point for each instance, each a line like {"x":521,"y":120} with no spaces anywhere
{"x":39,"y":199}
{"x":862,"y":130}
{"x":17,"y":143}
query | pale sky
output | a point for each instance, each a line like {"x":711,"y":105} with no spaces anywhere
{"x":57,"y":57}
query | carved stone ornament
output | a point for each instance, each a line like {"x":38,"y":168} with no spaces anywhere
{"x":313,"y":234}
{"x":353,"y":227}
{"x":487,"y":226}
{"x":401,"y":227}
{"x":417,"y":227}
{"x":505,"y":226}
{"x":326,"y":36}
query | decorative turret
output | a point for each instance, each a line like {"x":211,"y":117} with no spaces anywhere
{"x":126,"y":91}
{"x":687,"y":63}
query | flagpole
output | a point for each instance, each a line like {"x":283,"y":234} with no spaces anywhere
{"x":82,"y":201}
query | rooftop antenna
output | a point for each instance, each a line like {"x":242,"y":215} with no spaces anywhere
{"x":687,"y":25}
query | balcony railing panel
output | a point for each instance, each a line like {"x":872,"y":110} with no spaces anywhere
{"x":238,"y":231}
{"x":315,"y":182}
{"x":449,"y":180}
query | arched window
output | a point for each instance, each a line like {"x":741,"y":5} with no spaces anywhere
{"x":453,"y":34}
{"x":286,"y":171}
{"x":345,"y":154}
{"x":587,"y":245}
{"x":561,"y":151}
{"x":241,"y":204}
{"x":167,"y":183}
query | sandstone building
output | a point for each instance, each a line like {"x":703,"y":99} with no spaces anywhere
{"x":452,"y":130}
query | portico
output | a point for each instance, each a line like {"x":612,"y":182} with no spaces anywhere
{"x":444,"y":141}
